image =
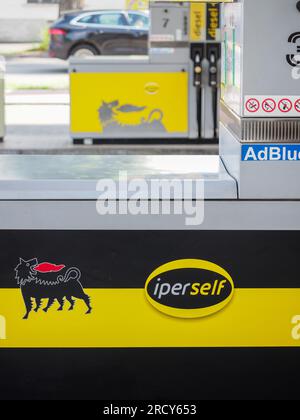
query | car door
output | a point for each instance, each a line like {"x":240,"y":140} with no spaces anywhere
{"x":112,"y":34}
{"x":139,"y":29}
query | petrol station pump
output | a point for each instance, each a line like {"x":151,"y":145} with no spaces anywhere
{"x":174,"y":310}
{"x":170,"y":96}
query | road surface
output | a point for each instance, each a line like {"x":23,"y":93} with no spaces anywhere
{"x":39,"y":66}
{"x":36,"y":73}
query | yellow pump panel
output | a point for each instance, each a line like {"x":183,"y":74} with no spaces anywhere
{"x":150,"y":97}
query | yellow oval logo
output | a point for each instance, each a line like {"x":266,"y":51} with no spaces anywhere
{"x":152,"y":88}
{"x":189,"y":288}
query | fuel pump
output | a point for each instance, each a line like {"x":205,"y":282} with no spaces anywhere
{"x":197,"y":55}
{"x":176,"y":95}
{"x":205,"y":37}
{"x":214,"y":56}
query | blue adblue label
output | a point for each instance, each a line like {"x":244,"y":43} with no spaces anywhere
{"x":270,"y":152}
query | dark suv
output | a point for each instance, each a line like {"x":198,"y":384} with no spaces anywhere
{"x":100,"y":33}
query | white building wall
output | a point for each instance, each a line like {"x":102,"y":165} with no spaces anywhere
{"x":20,"y":9}
{"x":105,"y":4}
{"x":23,"y":22}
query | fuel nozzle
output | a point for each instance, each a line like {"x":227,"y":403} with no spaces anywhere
{"x":213,"y":68}
{"x":197,"y":57}
{"x":198,"y":69}
{"x":213,"y":57}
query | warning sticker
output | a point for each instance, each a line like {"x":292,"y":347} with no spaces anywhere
{"x":285,"y":105}
{"x":269,"y":105}
{"x":297,"y":105}
{"x":272,"y":106}
{"x":252,"y":105}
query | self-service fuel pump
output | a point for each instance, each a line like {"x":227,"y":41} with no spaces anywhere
{"x":165,"y":277}
{"x":205,"y":37}
{"x":177,"y":87}
{"x":260,"y":109}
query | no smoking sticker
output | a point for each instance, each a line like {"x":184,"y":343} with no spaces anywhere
{"x":269,"y":105}
{"x":285,"y":105}
{"x":252,"y":105}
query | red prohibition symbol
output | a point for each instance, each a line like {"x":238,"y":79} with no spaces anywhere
{"x":297,"y":105}
{"x":285,"y":105}
{"x":252,"y":105}
{"x":269,"y":105}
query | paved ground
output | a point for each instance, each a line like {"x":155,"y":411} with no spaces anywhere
{"x":37,"y":98}
{"x":17,"y":49}
{"x":54,"y":140}
{"x":36,"y":74}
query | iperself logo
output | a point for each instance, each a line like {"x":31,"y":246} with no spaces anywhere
{"x":189,"y":288}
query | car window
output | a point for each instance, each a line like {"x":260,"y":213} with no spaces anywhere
{"x":138,"y":20}
{"x":87,"y":19}
{"x":110,"y":19}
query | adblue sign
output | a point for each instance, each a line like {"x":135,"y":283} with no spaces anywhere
{"x":271,"y":152}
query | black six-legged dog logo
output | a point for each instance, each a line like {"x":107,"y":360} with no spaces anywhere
{"x":49,"y":281}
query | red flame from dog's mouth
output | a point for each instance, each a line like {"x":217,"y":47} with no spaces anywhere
{"x":49,"y":268}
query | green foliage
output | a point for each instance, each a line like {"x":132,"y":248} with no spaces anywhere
{"x":44,"y":45}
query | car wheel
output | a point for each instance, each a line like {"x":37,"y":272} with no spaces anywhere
{"x":82,"y":51}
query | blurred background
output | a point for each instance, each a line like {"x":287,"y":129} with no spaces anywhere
{"x":36,"y":81}
{"x":26,"y":21}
